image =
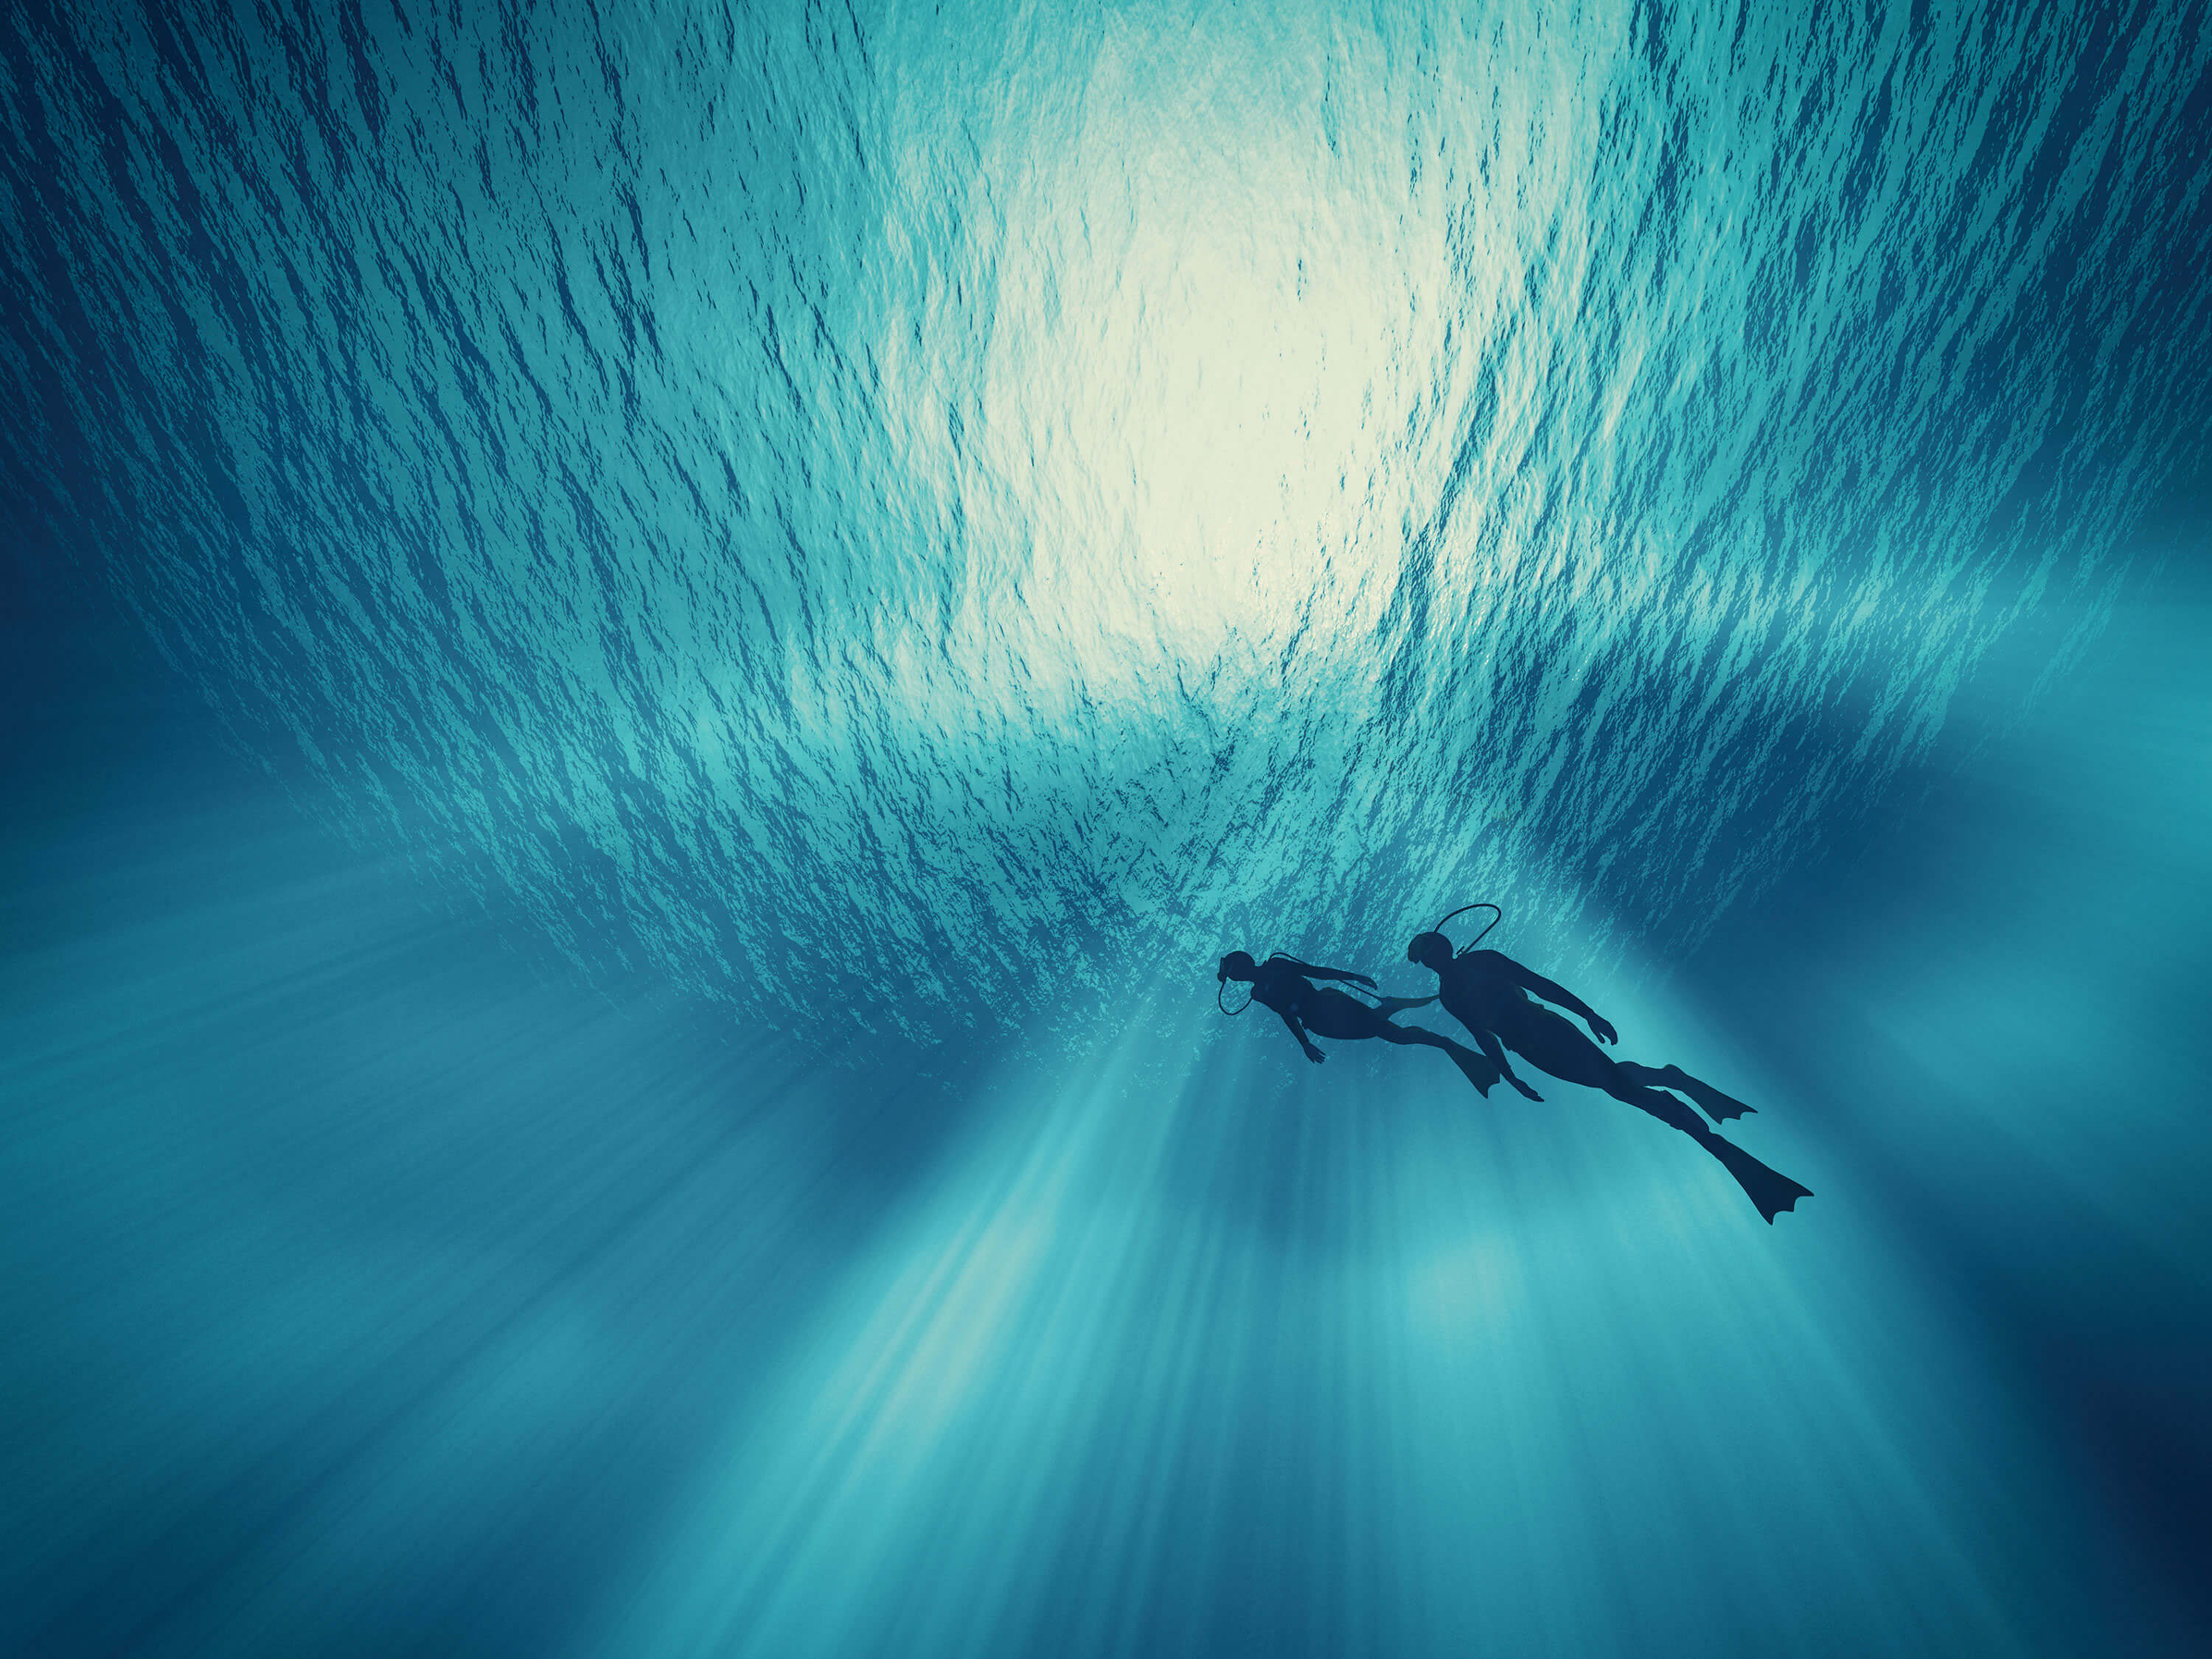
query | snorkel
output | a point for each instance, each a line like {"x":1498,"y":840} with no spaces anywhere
{"x":1237,"y":964}
{"x":1425,"y":945}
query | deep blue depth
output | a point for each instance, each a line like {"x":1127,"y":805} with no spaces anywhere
{"x":649,"y":652}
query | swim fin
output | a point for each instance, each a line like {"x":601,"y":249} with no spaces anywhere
{"x":1717,"y":1106}
{"x":1475,"y":1067}
{"x":1770,"y":1189}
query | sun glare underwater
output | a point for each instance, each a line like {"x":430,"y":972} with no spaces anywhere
{"x":651,"y":649}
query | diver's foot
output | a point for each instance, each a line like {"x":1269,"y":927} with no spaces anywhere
{"x":1529,"y":1092}
{"x":1473,"y":1067}
{"x":1716,"y":1105}
{"x":1771,"y":1190}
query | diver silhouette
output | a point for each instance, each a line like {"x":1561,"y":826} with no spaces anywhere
{"x":1285,"y":985}
{"x":1488,"y":993}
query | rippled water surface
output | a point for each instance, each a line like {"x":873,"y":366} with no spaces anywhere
{"x":659,"y":643}
{"x":1093,"y":487}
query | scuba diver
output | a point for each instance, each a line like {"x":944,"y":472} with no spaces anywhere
{"x":1285,"y":984}
{"x":1488,"y":993}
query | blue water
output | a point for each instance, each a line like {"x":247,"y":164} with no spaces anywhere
{"x":650,"y":650}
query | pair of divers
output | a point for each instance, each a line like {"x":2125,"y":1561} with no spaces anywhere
{"x":1491,"y":995}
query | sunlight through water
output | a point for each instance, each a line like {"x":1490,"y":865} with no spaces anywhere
{"x":650,"y":649}
{"x":1050,"y":483}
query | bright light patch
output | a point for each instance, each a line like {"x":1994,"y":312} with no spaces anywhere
{"x":1464,"y":1285}
{"x":1210,"y":340}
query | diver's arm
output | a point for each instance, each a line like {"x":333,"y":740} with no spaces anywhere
{"x":1550,"y":992}
{"x":1298,"y":1032}
{"x":1340,"y":972}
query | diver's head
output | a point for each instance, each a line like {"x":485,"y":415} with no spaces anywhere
{"x":1430,"y":950}
{"x":1237,"y":964}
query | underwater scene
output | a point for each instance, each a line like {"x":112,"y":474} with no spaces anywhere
{"x":1004,"y":830}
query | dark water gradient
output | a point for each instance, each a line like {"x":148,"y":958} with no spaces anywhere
{"x":545,"y":543}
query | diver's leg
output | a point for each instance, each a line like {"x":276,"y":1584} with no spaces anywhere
{"x":1389,"y":1005}
{"x":1662,"y":1105}
{"x":1653,"y":1077}
{"x":1540,"y":1036}
{"x":1770,"y":1189}
{"x":1717,"y":1106}
{"x":1544,"y":1039}
{"x":1332,"y":1014}
{"x":1472,"y":1066}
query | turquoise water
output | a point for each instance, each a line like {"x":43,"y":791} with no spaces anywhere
{"x":655,"y":647}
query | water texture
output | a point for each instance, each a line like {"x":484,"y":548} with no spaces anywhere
{"x":1025,"y":487}
{"x":646,"y":652}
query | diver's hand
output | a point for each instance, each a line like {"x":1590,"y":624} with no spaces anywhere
{"x":1315,"y":1055}
{"x":1524,"y":1088}
{"x":1602,"y":1028}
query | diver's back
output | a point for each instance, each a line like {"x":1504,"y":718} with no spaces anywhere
{"x":1482,"y":988}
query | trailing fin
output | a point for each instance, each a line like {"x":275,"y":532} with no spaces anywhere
{"x":1475,"y":1067}
{"x":1717,"y":1106}
{"x":1770,"y":1189}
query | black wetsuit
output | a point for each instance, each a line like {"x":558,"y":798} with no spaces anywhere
{"x":1325,"y":1010}
{"x":1488,"y":992}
